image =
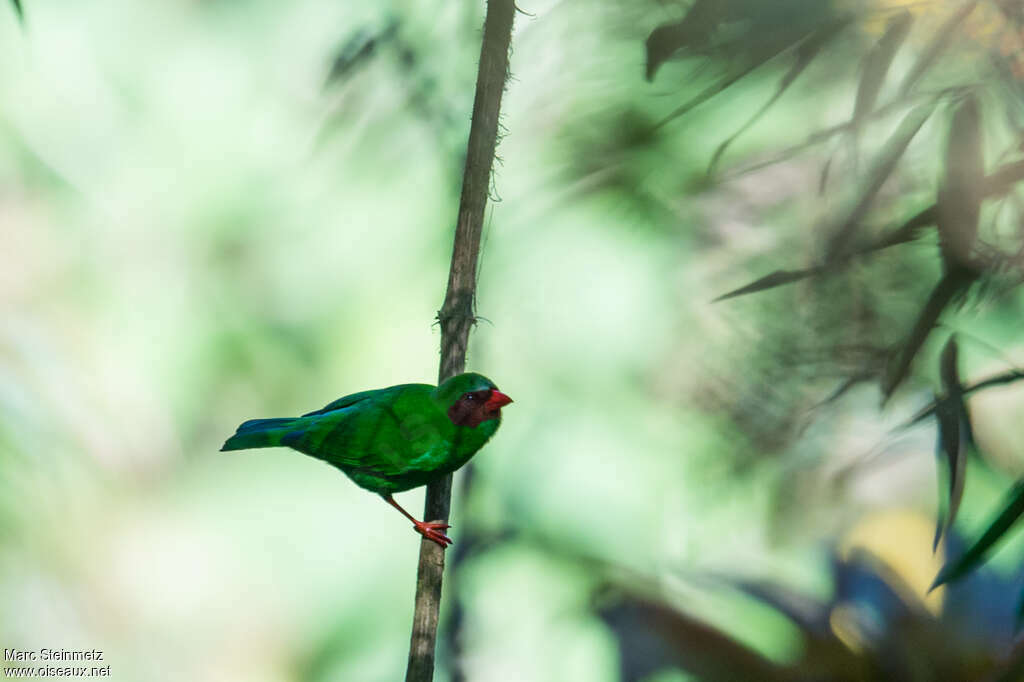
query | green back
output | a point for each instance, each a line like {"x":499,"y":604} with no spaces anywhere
{"x":393,"y":439}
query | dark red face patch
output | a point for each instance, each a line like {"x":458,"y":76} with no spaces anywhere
{"x":476,"y":407}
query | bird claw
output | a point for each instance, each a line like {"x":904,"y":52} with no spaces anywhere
{"x":432,"y":531}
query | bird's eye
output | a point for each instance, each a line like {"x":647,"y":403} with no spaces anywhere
{"x":470,"y":396}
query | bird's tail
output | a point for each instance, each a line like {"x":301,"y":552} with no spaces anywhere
{"x":258,"y":433}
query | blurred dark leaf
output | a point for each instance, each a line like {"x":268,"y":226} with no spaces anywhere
{"x":998,"y":380}
{"x":653,"y":637}
{"x":875,"y":66}
{"x":953,"y":283}
{"x":807,"y":612}
{"x":766,"y":55}
{"x":18,"y":9}
{"x":874,"y":69}
{"x":950,"y":376}
{"x":741,"y":35}
{"x":848,"y":383}
{"x":693,"y":32}
{"x":845,"y":229}
{"x":956,"y":214}
{"x":961,"y":190}
{"x":826,"y":170}
{"x":825,"y":134}
{"x":872,"y":628}
{"x":906,"y":232}
{"x":975,"y":555}
{"x":996,"y":184}
{"x":942,"y":39}
{"x":775,"y":279}
{"x":357,"y":50}
{"x":952,"y":443}
{"x":805,"y":54}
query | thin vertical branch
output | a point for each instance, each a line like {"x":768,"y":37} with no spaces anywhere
{"x":457,"y":315}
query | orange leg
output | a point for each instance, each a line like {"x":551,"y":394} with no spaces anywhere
{"x":428,"y":529}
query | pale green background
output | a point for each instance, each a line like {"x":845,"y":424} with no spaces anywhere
{"x":195,"y":232}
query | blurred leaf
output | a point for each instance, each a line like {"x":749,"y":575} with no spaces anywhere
{"x":961,"y":190}
{"x":906,"y":232}
{"x":772,"y":51}
{"x":958,"y":276}
{"x":847,"y":227}
{"x":818,"y":137}
{"x":954,"y":282}
{"x":759,"y":32}
{"x":998,"y":380}
{"x":666,"y":638}
{"x":805,"y":54}
{"x":975,"y":555}
{"x":847,"y":384}
{"x":18,"y":9}
{"x":808,"y":613}
{"x":357,"y":49}
{"x":826,"y":170}
{"x":952,"y":437}
{"x":872,"y":627}
{"x":775,"y":279}
{"x":693,"y":31}
{"x":876,"y":65}
{"x":997,"y":183}
{"x":942,"y":39}
{"x":949,"y":373}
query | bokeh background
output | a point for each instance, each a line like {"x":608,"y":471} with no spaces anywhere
{"x":212,"y":211}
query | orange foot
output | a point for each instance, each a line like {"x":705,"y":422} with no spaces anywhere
{"x":432,"y":531}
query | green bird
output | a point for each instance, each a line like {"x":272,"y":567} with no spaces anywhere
{"x":391,"y":439}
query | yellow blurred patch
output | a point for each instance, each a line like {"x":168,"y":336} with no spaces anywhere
{"x":902,"y":540}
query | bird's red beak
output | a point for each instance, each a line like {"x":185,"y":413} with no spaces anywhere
{"x":497,"y":401}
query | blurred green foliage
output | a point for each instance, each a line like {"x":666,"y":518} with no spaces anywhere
{"x":219,"y":210}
